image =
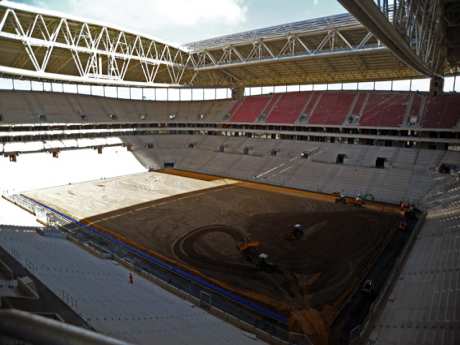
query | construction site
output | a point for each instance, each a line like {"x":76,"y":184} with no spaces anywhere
{"x":302,"y":254}
{"x":294,"y":180}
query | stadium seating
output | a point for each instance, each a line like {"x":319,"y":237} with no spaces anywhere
{"x":370,"y":109}
{"x":332,"y":109}
{"x":312,"y":102}
{"x":406,"y":167}
{"x":33,"y":107}
{"x":415,"y":110}
{"x":385,"y":110}
{"x":288,"y":108}
{"x":442,"y":112}
{"x":359,"y":103}
{"x":250,"y":108}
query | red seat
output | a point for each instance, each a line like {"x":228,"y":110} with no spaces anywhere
{"x":288,"y":108}
{"x":384,"y":110}
{"x":250,"y":109}
{"x":442,"y":112}
{"x":332,"y":109}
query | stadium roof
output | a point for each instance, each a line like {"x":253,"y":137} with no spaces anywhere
{"x":274,"y":32}
{"x":48,"y":45}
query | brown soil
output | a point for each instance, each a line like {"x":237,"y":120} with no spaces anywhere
{"x":202,"y":230}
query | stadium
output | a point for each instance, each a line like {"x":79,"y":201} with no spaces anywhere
{"x":294,"y":184}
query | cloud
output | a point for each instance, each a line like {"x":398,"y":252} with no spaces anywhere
{"x":154,"y":16}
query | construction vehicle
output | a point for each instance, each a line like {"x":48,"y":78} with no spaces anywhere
{"x":250,"y":251}
{"x":342,"y":199}
{"x":403,"y":225}
{"x":355,"y":201}
{"x":264,"y":264}
{"x":297,"y":232}
{"x":404,"y":207}
{"x":339,"y":198}
{"x":368,"y":287}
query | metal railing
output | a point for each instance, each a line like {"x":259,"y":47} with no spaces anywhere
{"x":35,"y":329}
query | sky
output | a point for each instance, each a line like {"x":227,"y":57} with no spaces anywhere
{"x":183,"y":21}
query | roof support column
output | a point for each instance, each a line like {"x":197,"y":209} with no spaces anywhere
{"x":436,"y":86}
{"x":238,"y":92}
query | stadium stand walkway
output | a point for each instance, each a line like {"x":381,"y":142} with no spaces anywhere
{"x":424,"y":304}
{"x":100,"y":292}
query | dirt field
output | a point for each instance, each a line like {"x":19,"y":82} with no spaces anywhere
{"x":201,"y":231}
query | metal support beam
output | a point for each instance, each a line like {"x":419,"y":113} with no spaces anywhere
{"x":412,"y":29}
{"x":331,"y":42}
{"x":97,"y":51}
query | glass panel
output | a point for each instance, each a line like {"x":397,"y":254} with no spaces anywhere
{"x":421,"y":85}
{"x":70,"y":88}
{"x":334,"y":87}
{"x":320,"y":87}
{"x":350,"y":86}
{"x":47,"y":87}
{"x":197,"y":94}
{"x":173,"y":94}
{"x":136,"y":93}
{"x":401,"y":85}
{"x":110,"y":91}
{"x":149,"y":94}
{"x":37,"y":86}
{"x":449,"y":84}
{"x":280,"y":89}
{"x":369,"y":85}
{"x":209,"y":94}
{"x":57,"y":87}
{"x":6,"y":84}
{"x":84,"y":89}
{"x":267,"y":89}
{"x":383,"y":85}
{"x":256,"y":91}
{"x":186,"y":94}
{"x":97,"y":90}
{"x":21,"y":84}
{"x":221,"y":93}
{"x":307,"y":87}
{"x":293,"y":88}
{"x":161,"y":94}
{"x":123,"y":92}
